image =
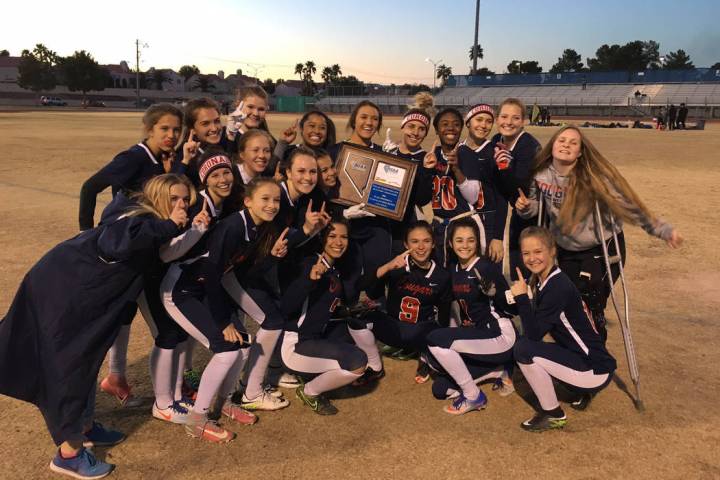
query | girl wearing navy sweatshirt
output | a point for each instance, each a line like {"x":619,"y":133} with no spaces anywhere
{"x":486,"y":334}
{"x":419,"y":296}
{"x":577,"y":355}
{"x":68,"y":310}
{"x":127,"y":173}
{"x":322,"y":284}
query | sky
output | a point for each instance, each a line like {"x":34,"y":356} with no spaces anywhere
{"x":377,"y":41}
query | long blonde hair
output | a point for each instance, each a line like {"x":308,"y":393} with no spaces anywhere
{"x":593,"y":178}
{"x":155,"y":197}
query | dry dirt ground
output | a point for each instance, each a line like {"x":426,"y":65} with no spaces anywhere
{"x":399,"y":430}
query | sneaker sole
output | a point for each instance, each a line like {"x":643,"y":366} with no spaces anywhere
{"x":458,"y":413}
{"x":213,"y":439}
{"x":557,"y":425}
{"x":260,"y":408}
{"x":70,"y":473}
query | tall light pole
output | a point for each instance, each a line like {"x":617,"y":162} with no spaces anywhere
{"x":477,"y":25}
{"x":434,"y":64}
{"x":138,"y":45}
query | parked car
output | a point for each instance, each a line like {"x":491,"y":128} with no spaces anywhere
{"x":52,"y":102}
{"x":93,"y":103}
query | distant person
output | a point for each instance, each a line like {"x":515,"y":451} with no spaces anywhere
{"x":672,"y":117}
{"x":661,"y":119}
{"x":682,"y":116}
{"x":535,"y":114}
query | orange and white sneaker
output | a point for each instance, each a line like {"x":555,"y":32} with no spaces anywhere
{"x":235,"y":412}
{"x":209,"y":430}
{"x":175,"y":413}
{"x":118,"y":387}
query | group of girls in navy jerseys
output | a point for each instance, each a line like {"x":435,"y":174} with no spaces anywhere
{"x":227,"y":224}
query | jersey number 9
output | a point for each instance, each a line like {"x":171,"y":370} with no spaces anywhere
{"x":409,"y":309}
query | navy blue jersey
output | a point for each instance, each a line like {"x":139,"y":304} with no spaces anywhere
{"x":308,"y":304}
{"x":415,"y":295}
{"x":480,"y":291}
{"x":447,"y":201}
{"x":489,"y":199}
{"x":126,"y":173}
{"x":519,"y":172}
{"x":558,"y":309}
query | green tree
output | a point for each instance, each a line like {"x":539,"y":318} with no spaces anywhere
{"x":443,"y":72}
{"x":678,"y":60}
{"x":715,"y":66}
{"x":269,"y":86}
{"x":36,"y":70}
{"x":187,"y":71}
{"x":83,"y":74}
{"x":570,"y":61}
{"x":158,"y":77}
{"x":308,"y":70}
{"x":530,"y":66}
{"x":202,"y":83}
{"x":633,"y":56}
{"x":331,"y":74}
{"x":4,"y":53}
{"x":482,"y":71}
{"x":299,"y":69}
{"x":476,"y":50}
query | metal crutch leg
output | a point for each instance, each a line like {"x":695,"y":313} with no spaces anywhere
{"x":624,"y":319}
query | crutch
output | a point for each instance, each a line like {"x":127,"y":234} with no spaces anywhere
{"x":624,"y":319}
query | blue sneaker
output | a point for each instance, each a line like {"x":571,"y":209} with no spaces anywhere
{"x":463,"y":405}
{"x":84,"y":465}
{"x":99,"y":436}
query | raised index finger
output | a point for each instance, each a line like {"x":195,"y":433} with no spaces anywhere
{"x":522,"y":194}
{"x":520,"y":275}
{"x":284,"y":233}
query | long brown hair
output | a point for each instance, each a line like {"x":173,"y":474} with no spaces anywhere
{"x":593,"y":178}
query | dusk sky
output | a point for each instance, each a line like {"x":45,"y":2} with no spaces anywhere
{"x":378,"y":41}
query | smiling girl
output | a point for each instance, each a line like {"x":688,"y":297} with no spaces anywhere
{"x":127,"y":173}
{"x":570,"y":176}
{"x":309,"y":300}
{"x":486,"y":334}
{"x":515,"y":151}
{"x":577,"y":356}
{"x":419,"y":297}
{"x":193,"y":296}
{"x":254,"y":151}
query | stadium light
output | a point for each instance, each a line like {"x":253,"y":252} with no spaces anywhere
{"x":434,"y":64}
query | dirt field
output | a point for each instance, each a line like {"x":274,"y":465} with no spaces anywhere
{"x":399,"y":430}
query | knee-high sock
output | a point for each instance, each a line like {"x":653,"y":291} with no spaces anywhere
{"x":260,"y":353}
{"x":213,"y":376}
{"x":179,"y":355}
{"x":453,"y":364}
{"x":117,"y":355}
{"x":365,"y":339}
{"x":541,"y":383}
{"x":330,"y":381}
{"x":189,"y":347}
{"x":161,"y":374}
{"x":229,"y":385}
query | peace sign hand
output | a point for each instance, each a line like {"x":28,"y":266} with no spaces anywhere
{"x":503,"y":157}
{"x":388,"y":145}
{"x":522,"y":203}
{"x":519,"y":287}
{"x":317,"y":270}
{"x":235,"y":121}
{"x":290,"y":133}
{"x":280,"y":248}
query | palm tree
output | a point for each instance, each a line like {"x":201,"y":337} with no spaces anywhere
{"x":299,"y":69}
{"x":158,"y":78}
{"x":203,"y":84}
{"x":308,"y":70}
{"x":443,"y":72}
{"x":474,"y":49}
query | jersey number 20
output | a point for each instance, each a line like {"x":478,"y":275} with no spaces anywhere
{"x":444,"y":193}
{"x":409,"y":309}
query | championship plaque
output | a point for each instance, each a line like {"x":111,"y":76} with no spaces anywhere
{"x":381,"y":181}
